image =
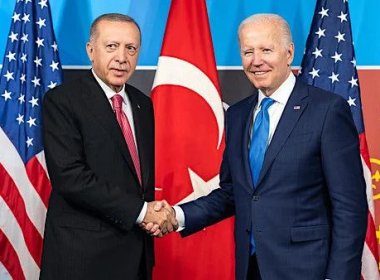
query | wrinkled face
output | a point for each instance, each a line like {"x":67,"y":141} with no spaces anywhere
{"x":113,"y":52}
{"x":265,"y":57}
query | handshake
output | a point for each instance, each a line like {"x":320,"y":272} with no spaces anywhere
{"x":160,"y":219}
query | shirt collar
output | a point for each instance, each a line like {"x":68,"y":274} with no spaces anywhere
{"x":107,"y":90}
{"x":282,"y":94}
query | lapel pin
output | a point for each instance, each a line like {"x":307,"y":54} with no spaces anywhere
{"x":297,"y":107}
{"x":138,"y":106}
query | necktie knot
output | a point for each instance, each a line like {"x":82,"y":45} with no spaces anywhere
{"x":117,"y":102}
{"x":266,"y":103}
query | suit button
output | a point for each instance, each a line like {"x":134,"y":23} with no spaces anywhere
{"x":255,"y":198}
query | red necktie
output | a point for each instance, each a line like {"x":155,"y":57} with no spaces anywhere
{"x":117,"y":101}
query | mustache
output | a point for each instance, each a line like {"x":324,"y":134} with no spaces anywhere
{"x":120,"y":66}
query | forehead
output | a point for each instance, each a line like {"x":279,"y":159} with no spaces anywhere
{"x":259,"y":33}
{"x":120,"y":30}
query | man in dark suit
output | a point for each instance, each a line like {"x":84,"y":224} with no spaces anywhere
{"x":99,"y":146}
{"x":291,"y":171}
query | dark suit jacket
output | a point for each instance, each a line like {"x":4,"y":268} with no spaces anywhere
{"x":308,"y":211}
{"x":96,"y":197}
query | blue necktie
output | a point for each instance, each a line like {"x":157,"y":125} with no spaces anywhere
{"x":260,"y":133}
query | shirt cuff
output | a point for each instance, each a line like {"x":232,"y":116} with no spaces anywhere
{"x":140,"y":218}
{"x":180,"y":216}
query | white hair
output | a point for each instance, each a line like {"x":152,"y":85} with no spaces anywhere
{"x":281,"y":25}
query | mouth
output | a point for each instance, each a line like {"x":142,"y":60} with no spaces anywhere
{"x":118,"y":71}
{"x":259,"y":73}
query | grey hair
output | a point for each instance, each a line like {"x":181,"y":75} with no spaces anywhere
{"x":114,"y":17}
{"x":281,"y":25}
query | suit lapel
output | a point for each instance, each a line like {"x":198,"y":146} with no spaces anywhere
{"x":247,"y":117}
{"x":139,"y":121}
{"x":294,"y":108}
{"x":102,"y":111}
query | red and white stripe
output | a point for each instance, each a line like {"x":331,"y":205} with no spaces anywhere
{"x":24,"y":194}
{"x":370,"y":258}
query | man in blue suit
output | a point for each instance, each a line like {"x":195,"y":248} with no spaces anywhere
{"x":299,"y":199}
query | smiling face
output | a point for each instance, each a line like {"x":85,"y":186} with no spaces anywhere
{"x":265,"y":54}
{"x":113,"y":51}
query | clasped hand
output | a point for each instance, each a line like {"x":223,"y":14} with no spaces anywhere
{"x":159,"y":219}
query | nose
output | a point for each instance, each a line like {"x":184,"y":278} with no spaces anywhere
{"x":121,"y":55}
{"x":256,"y":59}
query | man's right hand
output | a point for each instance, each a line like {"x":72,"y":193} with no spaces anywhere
{"x":159,"y":219}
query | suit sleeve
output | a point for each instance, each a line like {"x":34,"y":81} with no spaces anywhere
{"x":347,"y":190}
{"x":70,"y":174}
{"x":216,"y":206}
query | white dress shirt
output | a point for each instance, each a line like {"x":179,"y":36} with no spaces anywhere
{"x":127,"y":109}
{"x":280,"y":96}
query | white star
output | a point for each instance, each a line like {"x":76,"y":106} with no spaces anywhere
{"x":54,"y":46}
{"x":38,"y":62}
{"x":23,"y":58}
{"x":31,"y":122}
{"x":21,"y":98}
{"x":343,"y":17}
{"x":334,"y":77}
{"x":25,"y":18}
{"x":33,"y":101}
{"x":20,"y":119}
{"x":26,"y":1}
{"x":23,"y":78}
{"x":42,"y":3}
{"x":200,"y":187}
{"x":54,"y":65}
{"x":29,"y":142}
{"x":324,"y":13}
{"x":340,"y":36}
{"x":13,"y":36}
{"x":40,"y":42}
{"x":353,"y":61}
{"x":36,"y":81}
{"x":6,"y":95}
{"x":11,"y":56}
{"x":337,"y":57}
{"x":41,"y":22}
{"x":353,"y":82}
{"x":314,"y":73}
{"x":52,"y":85}
{"x":16,"y":17}
{"x":9,"y":76}
{"x":24,"y":38}
{"x":320,"y":33}
{"x":317,"y":52}
{"x":351,"y":101}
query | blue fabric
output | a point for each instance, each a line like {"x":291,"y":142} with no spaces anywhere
{"x":260,"y":132}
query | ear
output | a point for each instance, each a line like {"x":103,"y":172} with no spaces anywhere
{"x":290,"y":53}
{"x":90,"y":51}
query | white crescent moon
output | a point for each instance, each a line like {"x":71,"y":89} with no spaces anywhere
{"x":174,"y":71}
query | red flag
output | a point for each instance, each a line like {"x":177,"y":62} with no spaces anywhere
{"x":189,"y":121}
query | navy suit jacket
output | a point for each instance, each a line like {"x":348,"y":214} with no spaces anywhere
{"x":308,"y":211}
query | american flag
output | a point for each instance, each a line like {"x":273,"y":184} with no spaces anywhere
{"x":329,"y":63}
{"x":31,"y":66}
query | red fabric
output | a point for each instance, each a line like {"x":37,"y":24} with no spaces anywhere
{"x":189,"y":142}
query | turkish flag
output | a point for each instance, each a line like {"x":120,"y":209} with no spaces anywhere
{"x":189,"y":120}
